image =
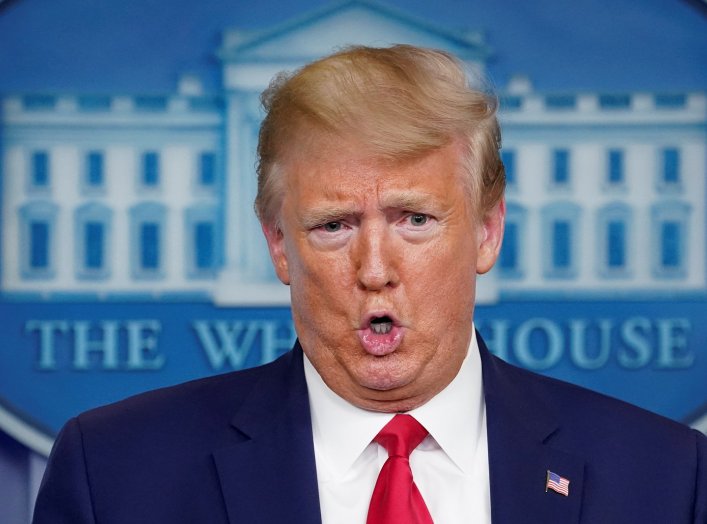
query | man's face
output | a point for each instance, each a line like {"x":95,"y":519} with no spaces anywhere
{"x":382,"y":261}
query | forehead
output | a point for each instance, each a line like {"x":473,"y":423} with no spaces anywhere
{"x":343,"y":172}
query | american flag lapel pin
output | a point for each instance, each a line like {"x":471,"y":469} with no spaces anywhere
{"x":557,"y":483}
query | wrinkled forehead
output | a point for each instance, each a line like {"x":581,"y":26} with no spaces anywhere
{"x":342,"y":174}
{"x":307,"y":143}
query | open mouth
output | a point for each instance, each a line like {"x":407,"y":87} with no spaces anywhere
{"x":382,"y":325}
{"x":380,"y":334}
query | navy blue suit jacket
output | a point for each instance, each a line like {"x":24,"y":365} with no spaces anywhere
{"x":237,"y":448}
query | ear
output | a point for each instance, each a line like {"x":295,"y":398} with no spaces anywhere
{"x":490,"y":237}
{"x":278,"y":254}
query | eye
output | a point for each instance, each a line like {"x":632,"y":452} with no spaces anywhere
{"x":332,"y":227}
{"x":418,"y":219}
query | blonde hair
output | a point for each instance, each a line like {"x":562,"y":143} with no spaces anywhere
{"x":398,"y":102}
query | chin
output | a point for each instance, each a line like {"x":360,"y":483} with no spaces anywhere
{"x":392,"y":405}
{"x":386,"y":388}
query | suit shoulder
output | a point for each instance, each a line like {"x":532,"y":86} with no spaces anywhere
{"x":589,"y":411}
{"x":195,"y":401}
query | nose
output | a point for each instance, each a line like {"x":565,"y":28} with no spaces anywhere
{"x":375,"y":258}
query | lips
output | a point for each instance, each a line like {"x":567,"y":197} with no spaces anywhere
{"x":380,"y":333}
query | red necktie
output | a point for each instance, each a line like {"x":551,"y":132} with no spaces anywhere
{"x":396,"y":499}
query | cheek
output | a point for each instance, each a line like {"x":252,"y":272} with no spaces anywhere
{"x":320,"y":279}
{"x":326,"y":269}
{"x":445,"y":278}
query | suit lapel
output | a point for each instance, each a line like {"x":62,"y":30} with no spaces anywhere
{"x":270,"y":475}
{"x":520,"y":435}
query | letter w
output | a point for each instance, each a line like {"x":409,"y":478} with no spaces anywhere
{"x":221,"y":343}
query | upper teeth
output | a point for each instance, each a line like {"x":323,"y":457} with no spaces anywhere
{"x":381,"y":328}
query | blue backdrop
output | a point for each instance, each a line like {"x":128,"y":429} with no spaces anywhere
{"x":130,"y":257}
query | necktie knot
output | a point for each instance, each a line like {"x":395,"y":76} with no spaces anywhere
{"x":401,"y":435}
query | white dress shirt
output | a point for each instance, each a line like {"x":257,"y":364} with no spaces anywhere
{"x":450,"y":467}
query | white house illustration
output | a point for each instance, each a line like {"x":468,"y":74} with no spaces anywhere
{"x":129,"y":196}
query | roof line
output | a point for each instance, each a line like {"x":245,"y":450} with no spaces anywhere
{"x":320,"y":13}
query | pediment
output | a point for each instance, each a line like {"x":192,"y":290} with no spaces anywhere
{"x":351,"y":22}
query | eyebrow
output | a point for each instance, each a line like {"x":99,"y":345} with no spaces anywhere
{"x":409,"y":200}
{"x":325,"y":214}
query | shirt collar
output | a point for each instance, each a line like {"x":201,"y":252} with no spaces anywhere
{"x":455,"y":417}
{"x":342,"y":431}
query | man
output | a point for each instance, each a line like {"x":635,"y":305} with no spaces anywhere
{"x":381,"y":198}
